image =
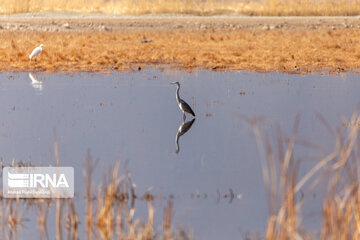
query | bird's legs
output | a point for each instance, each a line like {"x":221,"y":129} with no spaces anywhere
{"x":184,"y":117}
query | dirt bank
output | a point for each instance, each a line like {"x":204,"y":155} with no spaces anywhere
{"x":98,"y":43}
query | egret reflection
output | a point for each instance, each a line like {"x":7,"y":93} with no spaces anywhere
{"x":183,"y":128}
{"x":35,"y":82}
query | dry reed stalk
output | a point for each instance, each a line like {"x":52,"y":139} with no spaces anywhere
{"x":149,"y":232}
{"x":119,"y":219}
{"x":59,"y":209}
{"x":42,"y":217}
{"x":130,"y":218}
{"x":131,"y":222}
{"x":15,"y":218}
{"x":87,"y":173}
{"x":71,"y":221}
{"x":59,"y":203}
{"x":167,"y":220}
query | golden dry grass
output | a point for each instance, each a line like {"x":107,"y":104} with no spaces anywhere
{"x":197,"y":7}
{"x":293,"y":51}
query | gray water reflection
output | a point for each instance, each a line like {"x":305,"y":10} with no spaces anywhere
{"x":36,"y":83}
{"x":114,"y":116}
{"x":183,"y":128}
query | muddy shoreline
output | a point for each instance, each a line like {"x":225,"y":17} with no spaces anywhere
{"x":286,"y":44}
{"x":101,"y":22}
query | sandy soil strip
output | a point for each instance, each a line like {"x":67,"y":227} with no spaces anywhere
{"x":294,"y":45}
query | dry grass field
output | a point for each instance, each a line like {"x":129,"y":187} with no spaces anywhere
{"x":292,"y":51}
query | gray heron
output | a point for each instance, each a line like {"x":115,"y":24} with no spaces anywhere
{"x":184,"y":107}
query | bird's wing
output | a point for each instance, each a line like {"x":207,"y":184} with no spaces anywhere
{"x":185,"y":126}
{"x":187,"y":108}
{"x":32,"y":54}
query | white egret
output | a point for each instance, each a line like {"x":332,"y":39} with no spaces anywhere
{"x":36,"y":51}
{"x":184,"y":107}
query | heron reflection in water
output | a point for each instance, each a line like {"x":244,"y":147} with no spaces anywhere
{"x":183,"y":128}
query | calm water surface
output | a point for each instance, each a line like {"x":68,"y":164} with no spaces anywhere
{"x":134,"y":117}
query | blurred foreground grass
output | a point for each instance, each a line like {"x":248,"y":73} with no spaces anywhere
{"x":335,"y":177}
{"x":109,"y":211}
{"x":193,"y":7}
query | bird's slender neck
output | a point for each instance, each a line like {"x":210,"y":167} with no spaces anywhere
{"x":177,"y":93}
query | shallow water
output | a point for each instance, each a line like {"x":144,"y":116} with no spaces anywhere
{"x":134,"y":116}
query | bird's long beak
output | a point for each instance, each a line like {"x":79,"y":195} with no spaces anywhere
{"x":173,"y":83}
